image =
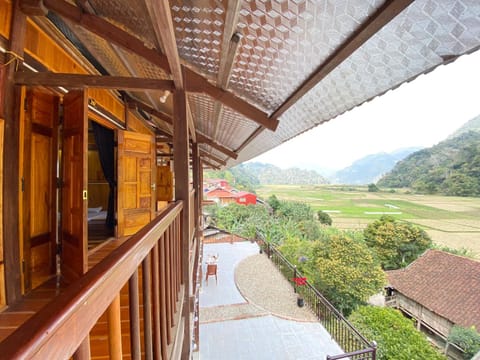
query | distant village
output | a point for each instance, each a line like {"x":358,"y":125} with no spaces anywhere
{"x":220,"y":192}
{"x":437,"y":291}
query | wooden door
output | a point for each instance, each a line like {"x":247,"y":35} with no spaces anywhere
{"x":136,"y":181}
{"x":39,"y":187}
{"x":75,"y":183}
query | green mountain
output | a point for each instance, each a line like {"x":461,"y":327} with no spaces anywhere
{"x":371,"y":167}
{"x":268,"y":174}
{"x":452,"y":167}
{"x":250,"y":175}
{"x":471,"y":125}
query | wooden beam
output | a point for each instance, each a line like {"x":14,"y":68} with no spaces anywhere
{"x":374,"y":23}
{"x":229,"y":47}
{"x":206,"y":140}
{"x":182,"y":192}
{"x":152,"y":111}
{"x":33,"y":7}
{"x":161,"y":17}
{"x":31,"y":78}
{"x":161,"y":20}
{"x":213,"y":157}
{"x":125,"y":40}
{"x":11,"y":161}
{"x":196,"y":83}
{"x":215,"y":167}
{"x":107,"y":31}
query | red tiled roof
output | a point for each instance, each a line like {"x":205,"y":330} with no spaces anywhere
{"x":446,"y":284}
{"x":220,"y":193}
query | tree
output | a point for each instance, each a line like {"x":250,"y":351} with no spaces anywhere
{"x":324,"y":218}
{"x":396,"y":243}
{"x":467,"y":338}
{"x":373,"y":188}
{"x":394,"y":334}
{"x":242,"y":220}
{"x":294,"y":210}
{"x":345,"y":271}
{"x":273,"y":202}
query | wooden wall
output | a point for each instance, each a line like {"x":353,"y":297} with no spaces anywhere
{"x":5,"y":15}
{"x":2,"y":268}
{"x":426,"y":316}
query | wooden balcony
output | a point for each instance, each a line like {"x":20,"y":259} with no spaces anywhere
{"x":129,"y":305}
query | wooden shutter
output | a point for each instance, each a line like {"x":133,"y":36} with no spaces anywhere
{"x":75,"y":184}
{"x":136,"y":184}
{"x":39,"y":187}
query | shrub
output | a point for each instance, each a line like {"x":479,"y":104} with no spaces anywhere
{"x":467,"y":338}
{"x":395,"y":335}
{"x":324,"y":218}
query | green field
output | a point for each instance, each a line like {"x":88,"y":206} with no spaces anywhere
{"x":450,"y":221}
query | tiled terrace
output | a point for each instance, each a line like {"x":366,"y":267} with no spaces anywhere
{"x":252,"y":313}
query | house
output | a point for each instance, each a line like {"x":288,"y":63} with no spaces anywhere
{"x":220,"y":196}
{"x":215,"y":183}
{"x":224,"y":196}
{"x":245,"y":198}
{"x":99,"y":249}
{"x":438,"y":290}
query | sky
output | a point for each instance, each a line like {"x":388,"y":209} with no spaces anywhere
{"x":417,"y":114}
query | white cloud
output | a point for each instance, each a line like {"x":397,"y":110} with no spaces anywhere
{"x":420,"y":113}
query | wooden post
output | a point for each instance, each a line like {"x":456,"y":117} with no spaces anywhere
{"x":168,"y":282}
{"x":147,"y":306}
{"x":197,"y":185}
{"x":157,"y":348}
{"x":83,"y":351}
{"x":163,"y":298}
{"x":115,"y":329}
{"x":134,"y":311}
{"x":11,"y":147}
{"x":181,"y":161}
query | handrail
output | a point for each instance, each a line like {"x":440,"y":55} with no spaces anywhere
{"x":59,"y":328}
{"x":348,"y":338}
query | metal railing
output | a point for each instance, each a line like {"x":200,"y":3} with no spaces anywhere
{"x":356,"y":346}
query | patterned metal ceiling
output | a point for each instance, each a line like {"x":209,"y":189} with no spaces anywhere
{"x":283,"y":43}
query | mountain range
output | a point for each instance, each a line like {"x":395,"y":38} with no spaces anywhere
{"x":452,"y":167}
{"x":370,"y":168}
{"x":449,"y":167}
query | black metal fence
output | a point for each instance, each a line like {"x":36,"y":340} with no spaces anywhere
{"x":355,"y":346}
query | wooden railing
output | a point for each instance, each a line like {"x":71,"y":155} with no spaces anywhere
{"x":356,"y":347}
{"x":143,"y":274}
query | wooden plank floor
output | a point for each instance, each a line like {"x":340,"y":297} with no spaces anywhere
{"x":15,"y":315}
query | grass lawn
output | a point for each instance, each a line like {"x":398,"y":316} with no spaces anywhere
{"x":450,"y":221}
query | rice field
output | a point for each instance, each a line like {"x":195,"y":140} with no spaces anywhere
{"x":450,"y":221}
